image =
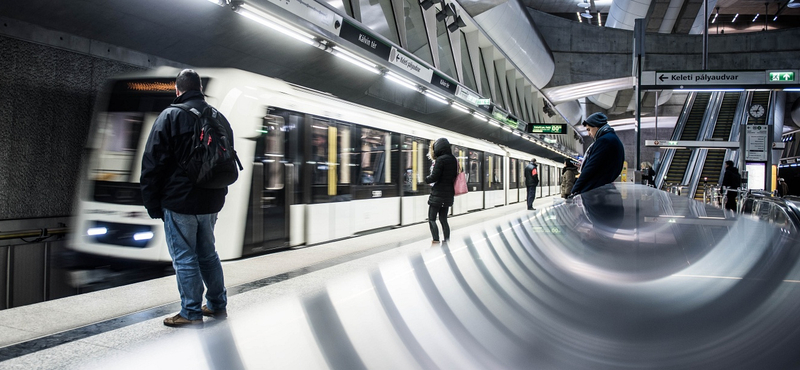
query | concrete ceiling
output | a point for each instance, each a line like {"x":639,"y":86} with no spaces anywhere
{"x":200,"y":33}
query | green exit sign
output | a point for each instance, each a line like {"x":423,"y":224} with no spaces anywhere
{"x":484,"y":101}
{"x":782,"y":76}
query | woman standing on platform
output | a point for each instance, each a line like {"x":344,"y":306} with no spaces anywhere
{"x":443,"y":175}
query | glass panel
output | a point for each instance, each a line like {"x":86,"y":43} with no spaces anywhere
{"x":445,"y":51}
{"x":487,"y":90}
{"x":417,"y":162}
{"x":512,"y":177}
{"x":378,"y":16}
{"x":474,"y":172}
{"x":416,"y":34}
{"x":466,"y":62}
{"x":375,"y":166}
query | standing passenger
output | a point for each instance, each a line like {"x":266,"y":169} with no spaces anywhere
{"x":443,"y":176}
{"x":568,"y":177}
{"x":603,"y":161}
{"x":732,"y":180}
{"x":531,"y":181}
{"x":189,"y":212}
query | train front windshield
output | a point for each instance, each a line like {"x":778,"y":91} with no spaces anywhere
{"x":122,"y":134}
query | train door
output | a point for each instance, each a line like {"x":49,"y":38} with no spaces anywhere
{"x":271,"y":190}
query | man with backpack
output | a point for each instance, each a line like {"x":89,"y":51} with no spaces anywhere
{"x":186,"y":139}
{"x":531,"y":181}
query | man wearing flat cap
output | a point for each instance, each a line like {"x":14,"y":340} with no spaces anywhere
{"x":604,"y":158}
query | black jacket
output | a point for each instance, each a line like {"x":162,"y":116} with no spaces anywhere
{"x":164,"y":184}
{"x":732,"y":179}
{"x":602,"y":163}
{"x":530,"y":178}
{"x":444,"y":173}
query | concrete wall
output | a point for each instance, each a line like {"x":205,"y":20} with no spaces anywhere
{"x":46,"y":98}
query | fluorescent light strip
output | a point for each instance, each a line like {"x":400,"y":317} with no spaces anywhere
{"x":355,"y":60}
{"x":460,"y":107}
{"x":401,"y":81}
{"x":506,"y":128}
{"x":793,"y":89}
{"x":436,"y":97}
{"x":579,"y":17}
{"x":495,"y":123}
{"x":272,"y":22}
{"x":710,"y":90}
{"x":734,"y":17}
{"x":756,"y":17}
{"x":480,"y":116}
{"x":599,"y":19}
{"x":715,"y":18}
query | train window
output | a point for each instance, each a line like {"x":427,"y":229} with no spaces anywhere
{"x":416,"y":35}
{"x":379,"y":17}
{"x":513,"y":176}
{"x":375,"y":168}
{"x":329,"y":161}
{"x":474,"y":159}
{"x":494,"y":172}
{"x":417,"y":166}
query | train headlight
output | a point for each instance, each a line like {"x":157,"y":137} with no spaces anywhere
{"x":143,"y":236}
{"x":96,"y":231}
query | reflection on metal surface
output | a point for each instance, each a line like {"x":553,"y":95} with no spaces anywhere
{"x":592,"y":283}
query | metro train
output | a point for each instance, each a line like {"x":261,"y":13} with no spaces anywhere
{"x":316,"y":168}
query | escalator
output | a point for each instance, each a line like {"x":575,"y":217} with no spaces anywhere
{"x":714,"y":158}
{"x":680,"y":160}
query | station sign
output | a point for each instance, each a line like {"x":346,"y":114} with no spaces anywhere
{"x":410,"y":64}
{"x":484,"y":102}
{"x":719,"y":79}
{"x":708,"y":78}
{"x":757,"y":143}
{"x":550,"y":129}
{"x":364,"y":40}
{"x":443,"y":83}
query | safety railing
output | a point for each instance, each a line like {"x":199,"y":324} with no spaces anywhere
{"x":784,"y":212}
{"x":27,"y":273}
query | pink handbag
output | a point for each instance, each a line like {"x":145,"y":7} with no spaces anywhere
{"x":460,"y":184}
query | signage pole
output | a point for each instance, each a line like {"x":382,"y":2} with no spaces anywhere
{"x":705,"y":35}
{"x":638,"y":45}
{"x":656,"y":114}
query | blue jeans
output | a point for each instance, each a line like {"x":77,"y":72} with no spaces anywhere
{"x":190,"y":239}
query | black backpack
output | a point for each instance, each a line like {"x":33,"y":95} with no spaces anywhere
{"x":212,"y":162}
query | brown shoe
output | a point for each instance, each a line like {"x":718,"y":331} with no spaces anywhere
{"x":219,"y":314}
{"x":178,"y":321}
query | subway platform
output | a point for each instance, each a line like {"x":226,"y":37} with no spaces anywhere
{"x":624,"y":277}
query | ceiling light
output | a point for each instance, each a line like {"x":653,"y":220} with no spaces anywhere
{"x":734,"y":17}
{"x":441,"y":15}
{"x":587,"y":15}
{"x":794,"y":4}
{"x":715,"y":18}
{"x":585,"y":4}
{"x":579,"y":17}
{"x":599,"y":19}
{"x":426,"y":4}
{"x":756,"y":17}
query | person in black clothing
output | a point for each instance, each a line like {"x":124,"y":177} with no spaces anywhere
{"x":531,"y":181}
{"x":443,"y":175}
{"x":783,"y":187}
{"x":732,"y":180}
{"x":603,"y":161}
{"x":189,"y":212}
{"x":648,"y":173}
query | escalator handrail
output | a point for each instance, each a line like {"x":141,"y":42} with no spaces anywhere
{"x":666,"y":162}
{"x":695,"y":168}
{"x":790,"y":204}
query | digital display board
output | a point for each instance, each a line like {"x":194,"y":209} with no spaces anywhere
{"x":553,"y":129}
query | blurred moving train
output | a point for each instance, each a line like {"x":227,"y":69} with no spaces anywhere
{"x":321,"y":169}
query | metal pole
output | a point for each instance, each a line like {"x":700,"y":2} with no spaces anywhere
{"x":639,"y":31}
{"x":656,"y":115}
{"x":705,"y":35}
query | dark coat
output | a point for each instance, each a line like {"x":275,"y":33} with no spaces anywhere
{"x":164,"y":184}
{"x":530,"y":178}
{"x":568,"y":179}
{"x":444,"y":173}
{"x":732,"y":179}
{"x":602,"y":163}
